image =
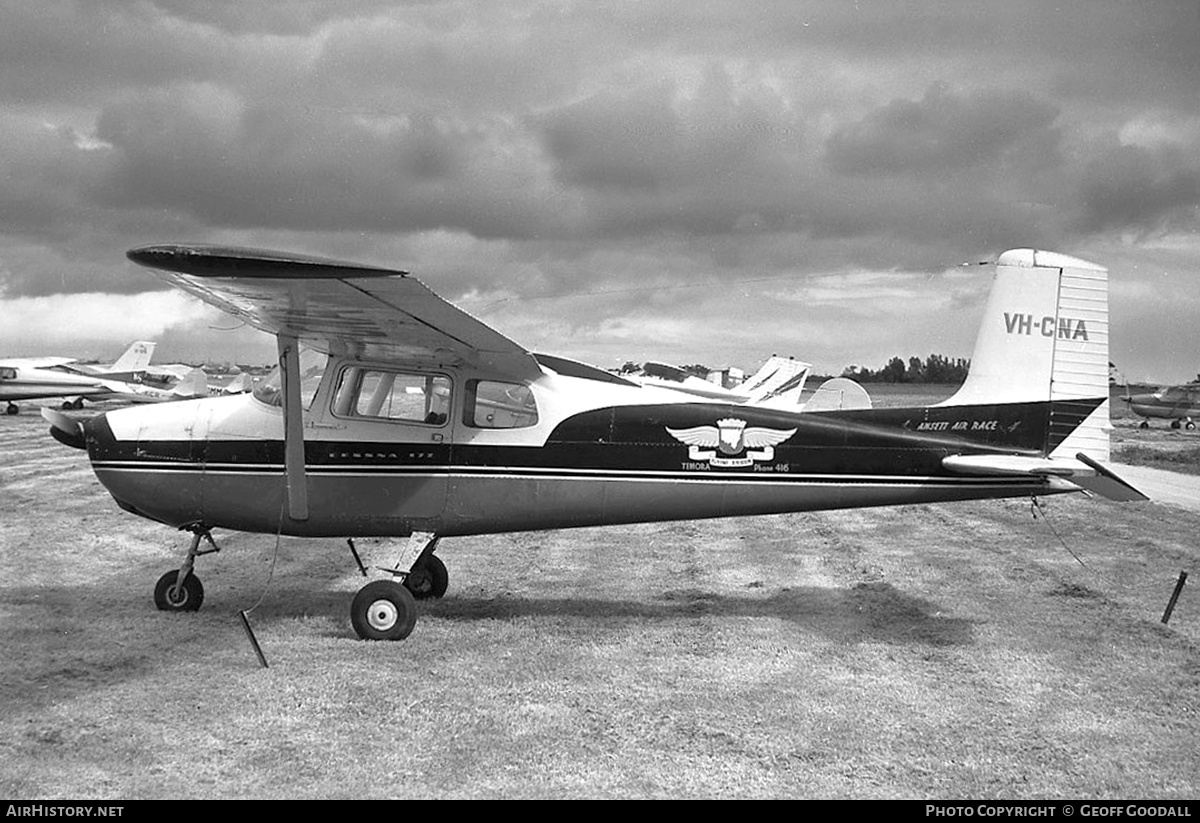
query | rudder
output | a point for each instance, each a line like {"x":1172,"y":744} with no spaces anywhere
{"x":1044,"y":337}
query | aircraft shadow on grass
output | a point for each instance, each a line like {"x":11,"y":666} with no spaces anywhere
{"x":865,"y":612}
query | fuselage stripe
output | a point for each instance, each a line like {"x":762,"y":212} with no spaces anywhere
{"x":529,"y":472}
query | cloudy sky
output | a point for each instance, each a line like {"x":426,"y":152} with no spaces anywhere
{"x":684,"y":181}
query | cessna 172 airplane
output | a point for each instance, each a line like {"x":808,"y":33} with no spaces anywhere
{"x":42,"y":377}
{"x":393,"y":413}
{"x":1179,"y":404}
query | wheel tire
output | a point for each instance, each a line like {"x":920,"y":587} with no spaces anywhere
{"x":12,"y":409}
{"x":428,"y":579}
{"x":1144,"y":425}
{"x":77,"y":403}
{"x":187,"y":598}
{"x":66,"y":405}
{"x":383,"y":610}
{"x":1174,"y":424}
{"x":1189,"y":425}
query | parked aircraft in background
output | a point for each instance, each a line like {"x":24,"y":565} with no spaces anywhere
{"x":777,"y":384}
{"x":38,"y":378}
{"x":393,"y":413}
{"x":240,"y":384}
{"x":193,"y":384}
{"x":1179,"y":404}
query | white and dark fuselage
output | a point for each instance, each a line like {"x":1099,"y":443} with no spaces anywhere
{"x":593,"y":450}
{"x":20,"y":382}
{"x":422,"y":421}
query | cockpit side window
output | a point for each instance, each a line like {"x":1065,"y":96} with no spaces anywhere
{"x":7,"y":373}
{"x":495,"y":405}
{"x":312,"y":368}
{"x":383,"y":394}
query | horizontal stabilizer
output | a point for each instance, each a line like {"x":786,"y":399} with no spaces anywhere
{"x":1106,"y":483}
{"x":1083,"y":472}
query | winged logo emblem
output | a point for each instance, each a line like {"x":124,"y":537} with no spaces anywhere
{"x":723,"y":445}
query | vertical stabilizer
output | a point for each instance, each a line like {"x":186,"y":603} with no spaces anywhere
{"x":136,"y":358}
{"x":1044,"y":337}
{"x":194,"y":384}
{"x":777,"y":384}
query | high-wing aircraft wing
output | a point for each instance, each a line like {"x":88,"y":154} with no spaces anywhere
{"x":372,"y":312}
{"x":36,"y":362}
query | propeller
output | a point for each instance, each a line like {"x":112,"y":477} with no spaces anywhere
{"x":64,"y":429}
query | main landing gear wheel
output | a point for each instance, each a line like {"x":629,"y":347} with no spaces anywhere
{"x":171,"y":598}
{"x":383,"y":610}
{"x":1144,"y":425}
{"x":12,"y":409}
{"x":428,"y":579}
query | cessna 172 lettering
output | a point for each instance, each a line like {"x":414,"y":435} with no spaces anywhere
{"x":393,"y":413}
{"x":44,"y":377}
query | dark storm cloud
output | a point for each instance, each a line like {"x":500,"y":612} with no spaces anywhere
{"x":945,"y":132}
{"x":712,"y":159}
{"x":528,"y":149}
{"x":1147,"y":190}
{"x":204,"y":152}
{"x":66,"y":53}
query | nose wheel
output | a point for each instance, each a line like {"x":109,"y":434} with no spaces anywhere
{"x":171,"y":595}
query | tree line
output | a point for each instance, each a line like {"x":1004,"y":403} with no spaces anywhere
{"x":933,"y":369}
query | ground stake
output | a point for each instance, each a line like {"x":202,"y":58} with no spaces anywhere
{"x":1174,"y":596}
{"x":253,"y":641}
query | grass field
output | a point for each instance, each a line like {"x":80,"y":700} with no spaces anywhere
{"x":941,"y":651}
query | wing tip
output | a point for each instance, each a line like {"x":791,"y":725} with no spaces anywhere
{"x":234,"y":261}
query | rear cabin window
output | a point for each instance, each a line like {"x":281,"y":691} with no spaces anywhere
{"x":402,"y":397}
{"x":495,"y":405}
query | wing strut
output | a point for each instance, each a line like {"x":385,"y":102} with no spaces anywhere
{"x":293,"y":427}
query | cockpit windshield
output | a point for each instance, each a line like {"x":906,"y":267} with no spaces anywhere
{"x":312,"y":369}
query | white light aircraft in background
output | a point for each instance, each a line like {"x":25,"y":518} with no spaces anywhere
{"x":192,"y":385}
{"x":777,"y":384}
{"x":1179,"y":404}
{"x":393,"y":413}
{"x":39,"y":378}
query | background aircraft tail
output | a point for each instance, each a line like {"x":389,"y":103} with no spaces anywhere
{"x":244,"y":382}
{"x":136,"y":358}
{"x":1044,"y":337}
{"x":194,"y":384}
{"x":777,"y":384}
{"x":838,"y":394}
